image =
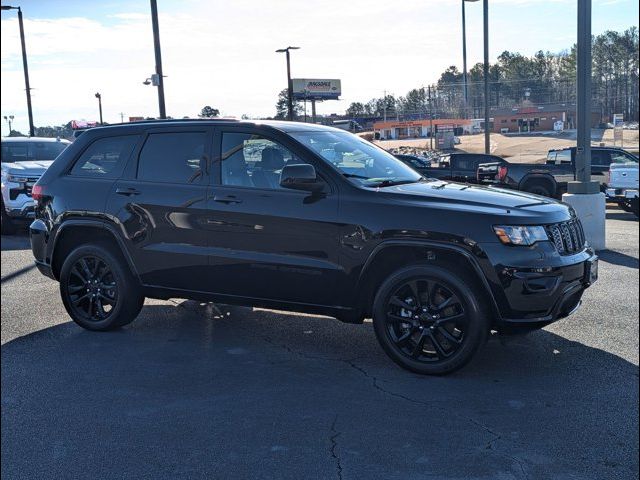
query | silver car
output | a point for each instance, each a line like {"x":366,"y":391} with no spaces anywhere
{"x":24,"y":160}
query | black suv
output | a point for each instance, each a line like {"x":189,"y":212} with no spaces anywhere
{"x":306,"y":218}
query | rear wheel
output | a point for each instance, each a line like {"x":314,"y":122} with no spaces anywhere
{"x":98,"y":289}
{"x":428,"y":320}
{"x":539,"y":189}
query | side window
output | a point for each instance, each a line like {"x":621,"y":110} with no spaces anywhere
{"x":600,"y":158}
{"x":253,"y":161}
{"x":622,"y":157}
{"x":563,"y":157}
{"x":105,"y":158}
{"x":15,"y":152}
{"x":172,"y":157}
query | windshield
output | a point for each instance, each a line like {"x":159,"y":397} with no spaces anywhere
{"x":360,"y":161}
{"x":31,"y":150}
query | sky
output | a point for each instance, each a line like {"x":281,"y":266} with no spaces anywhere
{"x":222,"y":53}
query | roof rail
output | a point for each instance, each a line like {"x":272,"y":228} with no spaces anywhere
{"x":155,"y":120}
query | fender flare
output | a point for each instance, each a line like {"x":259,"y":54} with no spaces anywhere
{"x":97,"y":224}
{"x":546,"y":177}
{"x":436,"y":245}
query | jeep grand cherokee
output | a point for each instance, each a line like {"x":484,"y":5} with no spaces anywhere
{"x":304,"y":218}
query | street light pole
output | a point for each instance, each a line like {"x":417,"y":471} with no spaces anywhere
{"x":99,"y":97}
{"x":9,"y":120}
{"x":32,"y":130}
{"x":464,"y":58}
{"x":156,"y":47}
{"x":487,"y":130}
{"x":289,"y":82}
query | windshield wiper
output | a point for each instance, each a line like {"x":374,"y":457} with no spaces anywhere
{"x":389,"y":182}
{"x":354,"y":175}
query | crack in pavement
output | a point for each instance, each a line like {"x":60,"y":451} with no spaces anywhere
{"x":375,"y":384}
{"x":334,"y":446}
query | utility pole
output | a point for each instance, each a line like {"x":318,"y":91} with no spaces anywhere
{"x":99,"y":97}
{"x":384,"y":105}
{"x":583,"y":194}
{"x":487,"y":129}
{"x":430,"y":119}
{"x":156,"y":47}
{"x":121,"y":117}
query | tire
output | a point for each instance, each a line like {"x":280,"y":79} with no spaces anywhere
{"x":538,"y":189}
{"x":7,"y":226}
{"x":98,"y":289}
{"x":626,"y":206}
{"x":413,"y":337}
{"x":634,"y":207}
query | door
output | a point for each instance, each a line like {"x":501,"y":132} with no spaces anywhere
{"x":160,"y":203}
{"x":600,"y":162}
{"x":267,"y":241}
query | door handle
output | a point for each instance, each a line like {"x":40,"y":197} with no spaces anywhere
{"x":227,"y":200}
{"x":128,"y":191}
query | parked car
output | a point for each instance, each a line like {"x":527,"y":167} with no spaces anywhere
{"x":304,"y":218}
{"x":414,"y":161}
{"x":24,"y":160}
{"x":623,"y":186}
{"x":551,"y":179}
{"x":456,"y":167}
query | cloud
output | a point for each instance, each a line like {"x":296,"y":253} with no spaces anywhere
{"x":223,"y":55}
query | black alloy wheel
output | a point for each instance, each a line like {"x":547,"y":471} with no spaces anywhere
{"x":98,"y":289}
{"x":429,"y":320}
{"x":92,"y":289}
{"x":426,"y":320}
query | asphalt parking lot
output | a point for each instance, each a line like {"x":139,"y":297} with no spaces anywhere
{"x":195,"y":390}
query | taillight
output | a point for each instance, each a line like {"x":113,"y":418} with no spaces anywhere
{"x":37,"y":192}
{"x":502,"y":173}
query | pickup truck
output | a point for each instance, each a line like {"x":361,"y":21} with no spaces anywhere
{"x":550,"y":179}
{"x":623,"y":186}
{"x":455,"y":167}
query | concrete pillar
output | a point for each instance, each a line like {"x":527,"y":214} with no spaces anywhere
{"x":591,"y":210}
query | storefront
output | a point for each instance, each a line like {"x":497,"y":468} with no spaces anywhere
{"x":394,"y":130}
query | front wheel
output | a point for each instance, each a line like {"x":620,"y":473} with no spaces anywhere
{"x":429,"y":320}
{"x":98,"y":290}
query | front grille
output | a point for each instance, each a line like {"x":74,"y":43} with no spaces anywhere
{"x":568,"y":237}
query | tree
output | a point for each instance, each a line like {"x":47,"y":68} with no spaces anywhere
{"x":282,"y":106}
{"x":209,"y":112}
{"x":356,"y":109}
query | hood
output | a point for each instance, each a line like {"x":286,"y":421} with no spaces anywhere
{"x":29,"y":168}
{"x":497,"y":202}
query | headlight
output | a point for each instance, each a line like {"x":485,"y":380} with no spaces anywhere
{"x":15,"y":179}
{"x":510,"y":235}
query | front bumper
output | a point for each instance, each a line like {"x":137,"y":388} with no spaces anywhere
{"x":534,"y":286}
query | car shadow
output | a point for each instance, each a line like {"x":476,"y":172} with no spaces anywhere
{"x":618,"y":258}
{"x":197,"y":390}
{"x":621,"y":215}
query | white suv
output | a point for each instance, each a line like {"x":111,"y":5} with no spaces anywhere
{"x":24,"y":160}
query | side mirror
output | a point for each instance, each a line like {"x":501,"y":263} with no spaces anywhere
{"x":300,"y":177}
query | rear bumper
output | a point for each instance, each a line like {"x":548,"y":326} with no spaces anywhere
{"x":620,"y":194}
{"x":39,"y":236}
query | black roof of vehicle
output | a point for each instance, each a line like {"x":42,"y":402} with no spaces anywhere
{"x":592,"y":148}
{"x":275,"y":124}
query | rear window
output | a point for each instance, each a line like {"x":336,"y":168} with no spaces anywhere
{"x":106,"y":157}
{"x":559,"y":157}
{"x":31,"y":150}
